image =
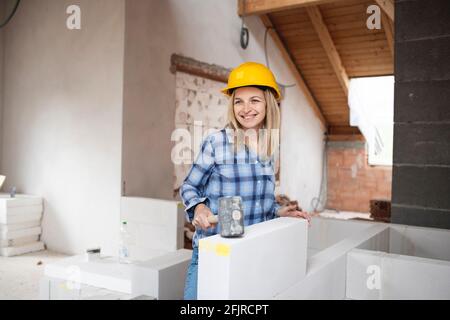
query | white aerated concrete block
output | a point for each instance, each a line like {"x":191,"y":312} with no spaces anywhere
{"x":19,"y":226}
{"x":19,"y":200}
{"x":15,"y":218}
{"x":325,"y":282}
{"x":270,"y":257}
{"x":406,"y":277}
{"x":20,"y":233}
{"x":379,"y":275}
{"x":155,"y":226}
{"x":22,"y":249}
{"x":57,"y":289}
{"x":364,"y":275}
{"x":162,"y":277}
{"x":22,"y":208}
{"x":326,"y":272}
{"x":103,"y":273}
{"x":325,"y":232}
{"x":18,"y":241}
{"x":431,"y":243}
{"x":379,"y":242}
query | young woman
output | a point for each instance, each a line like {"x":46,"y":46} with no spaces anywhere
{"x":237,"y":160}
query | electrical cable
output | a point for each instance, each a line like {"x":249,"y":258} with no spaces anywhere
{"x":11,"y":15}
{"x":283,"y":86}
{"x":317,"y":201}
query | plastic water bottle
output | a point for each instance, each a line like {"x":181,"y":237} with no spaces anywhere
{"x":124,"y":244}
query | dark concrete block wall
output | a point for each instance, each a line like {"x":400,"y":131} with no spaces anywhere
{"x":421,"y":170}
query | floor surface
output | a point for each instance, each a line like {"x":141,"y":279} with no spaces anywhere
{"x":20,"y":275}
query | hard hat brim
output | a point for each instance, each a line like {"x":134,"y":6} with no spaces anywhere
{"x":228,"y":90}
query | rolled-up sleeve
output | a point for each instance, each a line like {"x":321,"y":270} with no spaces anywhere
{"x":273,"y":211}
{"x":192,"y":189}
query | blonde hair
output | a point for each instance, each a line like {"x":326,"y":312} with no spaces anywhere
{"x":268,"y":144}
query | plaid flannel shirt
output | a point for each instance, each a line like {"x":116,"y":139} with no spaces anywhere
{"x":220,"y":171}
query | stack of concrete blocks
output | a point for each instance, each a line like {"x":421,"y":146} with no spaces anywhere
{"x":75,"y":278}
{"x":20,"y":224}
{"x":156,"y":226}
{"x":270,"y":257}
{"x":158,"y":267}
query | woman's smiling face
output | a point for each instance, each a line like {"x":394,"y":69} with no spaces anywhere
{"x":249,"y":107}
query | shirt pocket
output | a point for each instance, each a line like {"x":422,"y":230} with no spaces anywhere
{"x":237,"y":179}
{"x":225,"y":180}
{"x":226,"y":171}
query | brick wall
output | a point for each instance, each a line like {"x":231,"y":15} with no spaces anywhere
{"x":352,"y":182}
{"x":421,"y":170}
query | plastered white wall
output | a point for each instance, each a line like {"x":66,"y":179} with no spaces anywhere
{"x":2,"y":13}
{"x":207,"y":31}
{"x":62,"y":102}
{"x":62,"y":118}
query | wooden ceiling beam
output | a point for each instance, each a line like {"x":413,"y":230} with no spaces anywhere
{"x":346,"y":137}
{"x":328,"y":45}
{"x":388,"y":7}
{"x":289,"y":61}
{"x":344,"y":133}
{"x":259,"y":7}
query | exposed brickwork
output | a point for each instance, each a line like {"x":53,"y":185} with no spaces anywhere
{"x":352,"y":182}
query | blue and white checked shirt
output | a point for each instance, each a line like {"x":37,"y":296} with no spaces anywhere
{"x":219,"y":171}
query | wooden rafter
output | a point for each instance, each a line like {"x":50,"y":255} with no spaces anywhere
{"x":258,"y":7}
{"x":290,"y":62}
{"x":344,"y":133}
{"x":188,"y":65}
{"x":388,"y":7}
{"x":346,"y":137}
{"x":389,"y":31}
{"x":328,"y":44}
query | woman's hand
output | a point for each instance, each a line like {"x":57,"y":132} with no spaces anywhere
{"x":291,"y":211}
{"x":201,"y":214}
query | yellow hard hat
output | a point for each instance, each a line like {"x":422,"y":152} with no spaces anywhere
{"x":251,"y":74}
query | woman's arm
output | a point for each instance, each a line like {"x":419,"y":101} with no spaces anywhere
{"x":291,"y":211}
{"x":192,"y":189}
{"x":274,"y":210}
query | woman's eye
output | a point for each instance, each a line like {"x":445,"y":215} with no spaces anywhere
{"x":255,"y":101}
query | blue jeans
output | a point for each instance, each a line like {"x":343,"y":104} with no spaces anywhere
{"x":190,"y":287}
